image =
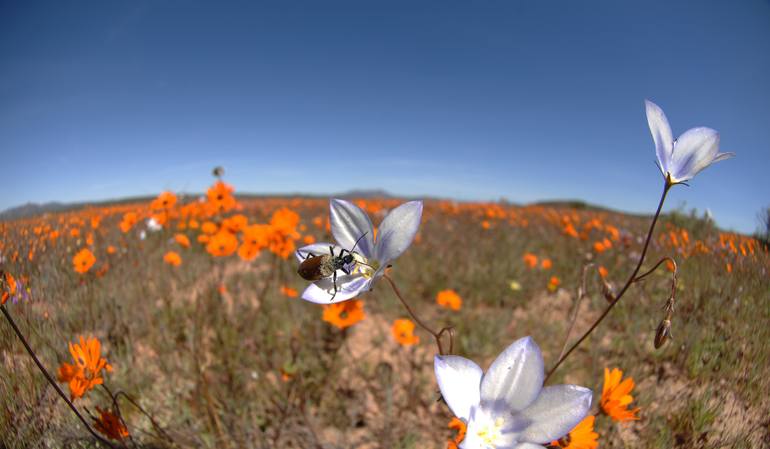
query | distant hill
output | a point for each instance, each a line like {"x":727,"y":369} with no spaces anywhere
{"x":31,"y":209}
{"x":34,"y":209}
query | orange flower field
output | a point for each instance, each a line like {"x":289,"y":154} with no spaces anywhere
{"x":177,"y":321}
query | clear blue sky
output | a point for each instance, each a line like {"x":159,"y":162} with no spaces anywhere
{"x":525,"y":100}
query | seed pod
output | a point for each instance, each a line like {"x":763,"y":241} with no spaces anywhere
{"x":608,"y":291}
{"x":218,"y":171}
{"x":663,"y":333}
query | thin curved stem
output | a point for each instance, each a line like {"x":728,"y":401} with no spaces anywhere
{"x":50,"y":379}
{"x":651,"y":270}
{"x":576,"y":309}
{"x":436,"y":335}
{"x":630,"y":281}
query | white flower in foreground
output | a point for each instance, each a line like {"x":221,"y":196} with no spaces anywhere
{"x":507,"y":407}
{"x":349,"y":224}
{"x":685,"y":157}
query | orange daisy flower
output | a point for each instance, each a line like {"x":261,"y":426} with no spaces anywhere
{"x":449,"y":299}
{"x":110,"y":425}
{"x":222,"y":244}
{"x":344,"y":314}
{"x":581,"y":437}
{"x":172,"y":258}
{"x":85,"y":374}
{"x":129,"y":220}
{"x":166,"y":200}
{"x":403,"y":332}
{"x":546,"y":264}
{"x":7,"y":286}
{"x":182,"y":240}
{"x":458,"y":425}
{"x":220,"y":197}
{"x":289,"y":292}
{"x":83,"y":260}
{"x":616,"y":396}
{"x":530,"y":260}
{"x":553,"y":283}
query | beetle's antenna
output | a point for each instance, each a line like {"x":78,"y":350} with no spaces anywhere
{"x":359,"y":239}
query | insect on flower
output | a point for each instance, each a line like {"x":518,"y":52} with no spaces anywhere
{"x":373,"y":251}
{"x":315,"y":267}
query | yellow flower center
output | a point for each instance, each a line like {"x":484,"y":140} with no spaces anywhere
{"x":364,"y":266}
{"x":491,"y":432}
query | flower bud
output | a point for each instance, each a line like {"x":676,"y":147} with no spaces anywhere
{"x":663,"y":333}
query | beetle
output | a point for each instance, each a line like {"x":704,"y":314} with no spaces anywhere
{"x":316,"y":267}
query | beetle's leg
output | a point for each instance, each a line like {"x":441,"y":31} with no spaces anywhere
{"x":334,"y":281}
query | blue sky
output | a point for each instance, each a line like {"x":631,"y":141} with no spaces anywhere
{"x":524,"y":100}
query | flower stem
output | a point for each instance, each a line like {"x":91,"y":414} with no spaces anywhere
{"x":50,"y":379}
{"x":630,"y":281}
{"x":436,"y":335}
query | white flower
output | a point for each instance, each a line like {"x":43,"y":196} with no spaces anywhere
{"x":507,"y":407}
{"x":153,"y":225}
{"x":685,"y":157}
{"x":349,"y":224}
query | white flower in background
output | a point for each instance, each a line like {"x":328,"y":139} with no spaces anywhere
{"x":350,"y":224}
{"x":507,"y":407}
{"x":153,"y":225}
{"x":685,"y":157}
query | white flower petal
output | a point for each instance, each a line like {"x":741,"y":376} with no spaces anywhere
{"x":555,"y":412}
{"x":348,"y":287}
{"x":515,"y":377}
{"x":397,"y":231}
{"x":349,"y":223}
{"x":316,"y":249}
{"x":458,"y":379}
{"x":723,"y":156}
{"x":528,"y":446}
{"x":693,"y":151}
{"x":661,"y":133}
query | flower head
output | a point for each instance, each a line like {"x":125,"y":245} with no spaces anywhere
{"x":110,"y":425}
{"x":85,"y":373}
{"x":351,"y":228}
{"x":449,"y":299}
{"x":616,"y":396}
{"x":172,"y":258}
{"x":507,"y":407}
{"x":681,"y":159}
{"x":344,"y":315}
{"x":83,"y":260}
{"x":581,"y":437}
{"x":403,"y":332}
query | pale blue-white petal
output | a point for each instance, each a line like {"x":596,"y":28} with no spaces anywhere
{"x":528,"y":446}
{"x":458,"y":379}
{"x":515,"y":378}
{"x":316,"y":249}
{"x":661,"y":134}
{"x":397,"y":231}
{"x":723,"y":156}
{"x":349,"y":224}
{"x":693,"y":151}
{"x":348,"y":287}
{"x":555,"y":412}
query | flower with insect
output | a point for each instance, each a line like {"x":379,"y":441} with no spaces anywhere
{"x":343,"y":271}
{"x":681,"y":159}
{"x":507,"y":407}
